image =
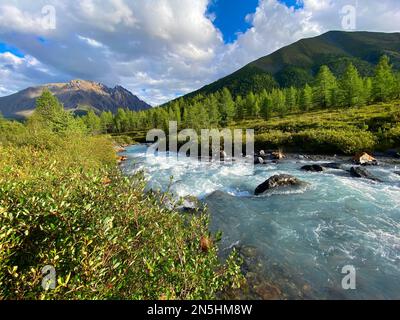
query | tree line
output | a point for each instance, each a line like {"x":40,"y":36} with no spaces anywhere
{"x":221,"y":108}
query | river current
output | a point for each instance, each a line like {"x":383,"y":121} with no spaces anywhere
{"x":302,"y":237}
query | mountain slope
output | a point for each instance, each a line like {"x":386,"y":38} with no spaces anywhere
{"x":296,"y":64}
{"x":75,"y":95}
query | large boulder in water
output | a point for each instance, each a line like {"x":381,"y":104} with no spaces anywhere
{"x":332,"y":165}
{"x":359,"y":172}
{"x":258,"y":160}
{"x":278,"y":155}
{"x":365,"y":159}
{"x":282,"y":180}
{"x":313,"y":168}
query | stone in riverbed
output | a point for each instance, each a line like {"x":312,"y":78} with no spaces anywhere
{"x":365,"y":159}
{"x":359,"y":172}
{"x":313,"y":168}
{"x":187,"y":204}
{"x":282,"y":180}
{"x":397,"y":172}
{"x":278,"y":155}
{"x":332,"y":165}
{"x":258,"y":160}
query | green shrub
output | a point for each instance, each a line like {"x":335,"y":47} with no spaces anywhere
{"x":344,"y":141}
{"x":105,"y":237}
{"x":274,"y":139}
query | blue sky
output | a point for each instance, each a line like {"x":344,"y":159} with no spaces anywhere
{"x":230,"y":15}
{"x":4,"y":47}
{"x":161,"y":51}
{"x":230,"y":19}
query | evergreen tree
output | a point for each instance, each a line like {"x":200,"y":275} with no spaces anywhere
{"x":240,"y":108}
{"x":213,"y":112}
{"x":92,"y":122}
{"x":50,"y":114}
{"x":397,"y":86}
{"x":177,"y":113}
{"x":351,"y":86}
{"x":325,"y":83}
{"x":266,"y":106}
{"x":227,"y":106}
{"x":306,"y":98}
{"x":250,"y":105}
{"x":121,"y":121}
{"x":367,"y":90}
{"x":383,"y":86}
{"x":257,"y":108}
{"x":279,"y":102}
{"x":291,"y":98}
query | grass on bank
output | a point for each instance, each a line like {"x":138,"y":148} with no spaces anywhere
{"x":64,"y":203}
{"x":344,"y":131}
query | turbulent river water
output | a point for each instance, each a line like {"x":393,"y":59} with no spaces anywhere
{"x":302,"y":237}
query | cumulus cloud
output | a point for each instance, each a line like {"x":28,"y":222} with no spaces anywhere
{"x":160,"y":48}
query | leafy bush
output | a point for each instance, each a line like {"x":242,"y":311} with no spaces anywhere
{"x":343,"y":141}
{"x":273,"y":139}
{"x":105,"y":237}
{"x":346,"y":141}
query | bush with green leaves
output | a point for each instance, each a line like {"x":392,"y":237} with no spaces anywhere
{"x":344,"y":141}
{"x":105,"y":237}
{"x":63,"y":203}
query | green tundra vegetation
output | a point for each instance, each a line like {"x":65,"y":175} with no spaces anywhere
{"x":316,"y":115}
{"x":64,"y":203}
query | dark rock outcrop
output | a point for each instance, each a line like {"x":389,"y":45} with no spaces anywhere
{"x":333,"y":165}
{"x":359,"y":172}
{"x":313,"y":168}
{"x":282,"y":180}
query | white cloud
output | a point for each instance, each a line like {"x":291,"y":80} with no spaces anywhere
{"x":91,"y":42}
{"x":159,"y":48}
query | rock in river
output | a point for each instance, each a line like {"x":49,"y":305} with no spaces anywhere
{"x":313,"y":168}
{"x":365,"y":159}
{"x":282,"y":180}
{"x":278,"y":155}
{"x":332,"y":165}
{"x":359,"y":172}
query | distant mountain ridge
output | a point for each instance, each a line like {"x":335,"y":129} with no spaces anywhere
{"x":75,"y":95}
{"x":297,"y":64}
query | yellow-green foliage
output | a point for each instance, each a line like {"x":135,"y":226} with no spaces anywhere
{"x":342,"y":130}
{"x":105,"y":237}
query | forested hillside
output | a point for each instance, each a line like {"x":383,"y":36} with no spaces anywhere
{"x":298,"y":63}
{"x":326,"y":92}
